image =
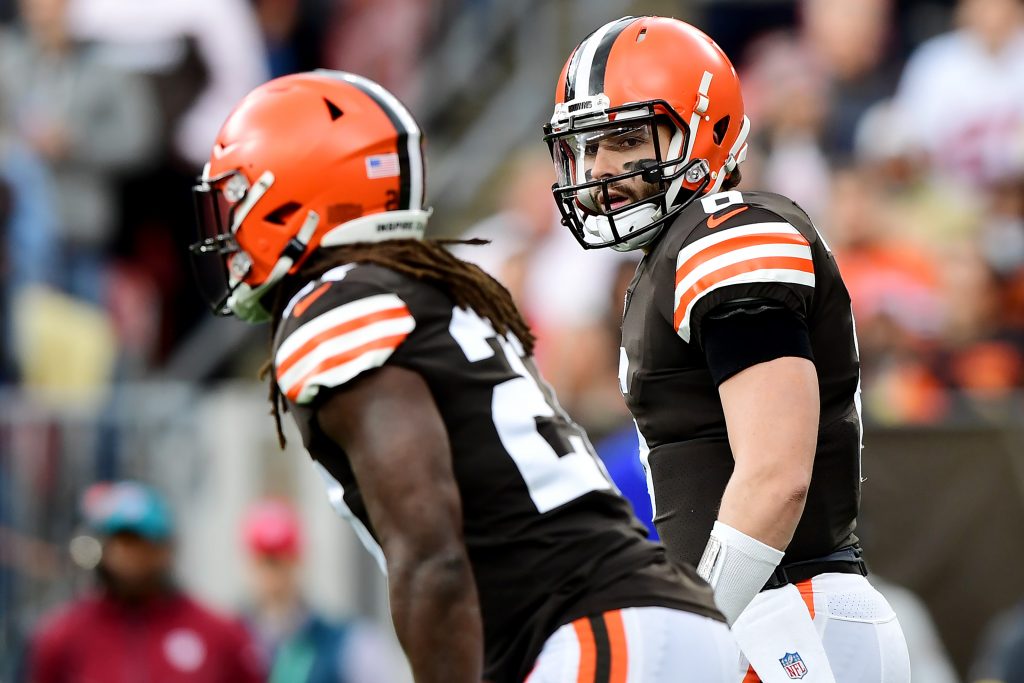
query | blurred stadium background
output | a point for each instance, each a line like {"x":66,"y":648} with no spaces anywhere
{"x":899,"y":126}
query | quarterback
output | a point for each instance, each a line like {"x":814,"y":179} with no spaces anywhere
{"x":509,"y":555}
{"x":739,"y":357}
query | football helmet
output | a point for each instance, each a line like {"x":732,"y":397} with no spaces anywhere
{"x":620,"y":85}
{"x":304,"y":161}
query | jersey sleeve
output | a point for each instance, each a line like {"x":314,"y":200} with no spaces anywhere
{"x":336,"y":329}
{"x":756,"y":259}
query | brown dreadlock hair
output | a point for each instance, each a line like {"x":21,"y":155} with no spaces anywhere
{"x":426,"y":260}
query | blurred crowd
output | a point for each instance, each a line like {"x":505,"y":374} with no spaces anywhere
{"x":108,"y":109}
{"x":898,"y":126}
{"x":906,"y":147}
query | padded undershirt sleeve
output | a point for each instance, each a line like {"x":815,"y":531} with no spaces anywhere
{"x":738,"y":336}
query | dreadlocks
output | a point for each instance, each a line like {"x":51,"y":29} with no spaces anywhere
{"x":465,"y":283}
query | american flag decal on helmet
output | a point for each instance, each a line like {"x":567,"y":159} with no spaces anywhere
{"x":382,"y":166}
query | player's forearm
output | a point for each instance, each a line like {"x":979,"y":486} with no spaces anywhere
{"x":772,"y":416}
{"x":436,"y":614}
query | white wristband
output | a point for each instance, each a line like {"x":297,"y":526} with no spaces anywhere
{"x":737,"y":567}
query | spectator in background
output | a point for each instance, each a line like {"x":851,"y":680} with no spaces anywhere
{"x":292,"y":34}
{"x":964,"y":93}
{"x":807,"y":90}
{"x":201,"y":56}
{"x":211,"y":49}
{"x":850,"y":43}
{"x":299,"y":644}
{"x":382,"y":40}
{"x":27,"y":235}
{"x":86,"y":121}
{"x":138,"y":627}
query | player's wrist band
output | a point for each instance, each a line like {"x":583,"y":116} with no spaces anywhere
{"x":737,"y":567}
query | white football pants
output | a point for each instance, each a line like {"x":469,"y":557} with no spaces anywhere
{"x":639,"y":645}
{"x":788,"y":633}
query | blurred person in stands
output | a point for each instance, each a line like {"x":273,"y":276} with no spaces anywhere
{"x":293,"y":34}
{"x":299,"y":644}
{"x":808,"y":89}
{"x":540,"y":264}
{"x":87,"y":121}
{"x":28,"y":224}
{"x":138,"y":626}
{"x":408,"y":372}
{"x":383,"y":39}
{"x":207,"y":51}
{"x":199,"y":56}
{"x":977,"y":71}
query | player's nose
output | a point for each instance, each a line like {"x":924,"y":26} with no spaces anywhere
{"x":605,"y":164}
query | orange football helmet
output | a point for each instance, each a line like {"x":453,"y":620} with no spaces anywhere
{"x":304,"y":161}
{"x":621,"y":82}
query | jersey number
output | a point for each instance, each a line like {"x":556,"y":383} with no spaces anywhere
{"x":552,"y":453}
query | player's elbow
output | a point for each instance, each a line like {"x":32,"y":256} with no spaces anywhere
{"x":787,"y":484}
{"x":443,"y":560}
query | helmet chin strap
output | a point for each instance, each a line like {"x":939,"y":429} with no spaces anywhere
{"x":625,"y":223}
{"x":244,"y":301}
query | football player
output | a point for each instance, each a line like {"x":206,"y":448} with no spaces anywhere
{"x":739,"y":358}
{"x":409,"y":375}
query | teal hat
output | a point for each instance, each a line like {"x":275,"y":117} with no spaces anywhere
{"x":128,"y":506}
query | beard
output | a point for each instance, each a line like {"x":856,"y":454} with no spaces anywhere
{"x":632,"y":191}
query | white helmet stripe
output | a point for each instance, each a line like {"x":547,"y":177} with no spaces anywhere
{"x":587,"y":50}
{"x":705,"y":84}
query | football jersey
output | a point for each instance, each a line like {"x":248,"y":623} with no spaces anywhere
{"x":548,"y":536}
{"x":725,"y":249}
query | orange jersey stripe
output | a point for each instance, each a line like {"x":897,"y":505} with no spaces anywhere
{"x":619,"y":646}
{"x":391,"y":342}
{"x":733,"y":244}
{"x":806,"y":589}
{"x":713,"y":278}
{"x":338,"y":330}
{"x":308,"y":300}
{"x":751,"y":676}
{"x":588,"y":651}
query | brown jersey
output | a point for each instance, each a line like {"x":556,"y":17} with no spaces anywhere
{"x":726,"y":249}
{"x":549,"y":538}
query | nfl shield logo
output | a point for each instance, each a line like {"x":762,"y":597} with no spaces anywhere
{"x":793,"y":665}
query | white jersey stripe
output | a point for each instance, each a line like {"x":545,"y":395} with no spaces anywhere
{"x":738,"y":256}
{"x":339,"y":375}
{"x":798,"y":277}
{"x":774,"y":228}
{"x":336,"y":346}
{"x":333,"y":318}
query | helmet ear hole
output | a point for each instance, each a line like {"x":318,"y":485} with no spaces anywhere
{"x":281,"y":214}
{"x":720,"y":129}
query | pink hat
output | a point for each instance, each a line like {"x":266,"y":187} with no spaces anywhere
{"x":272,"y":528}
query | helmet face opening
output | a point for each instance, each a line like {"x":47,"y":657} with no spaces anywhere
{"x":218,"y":262}
{"x":612,"y":175}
